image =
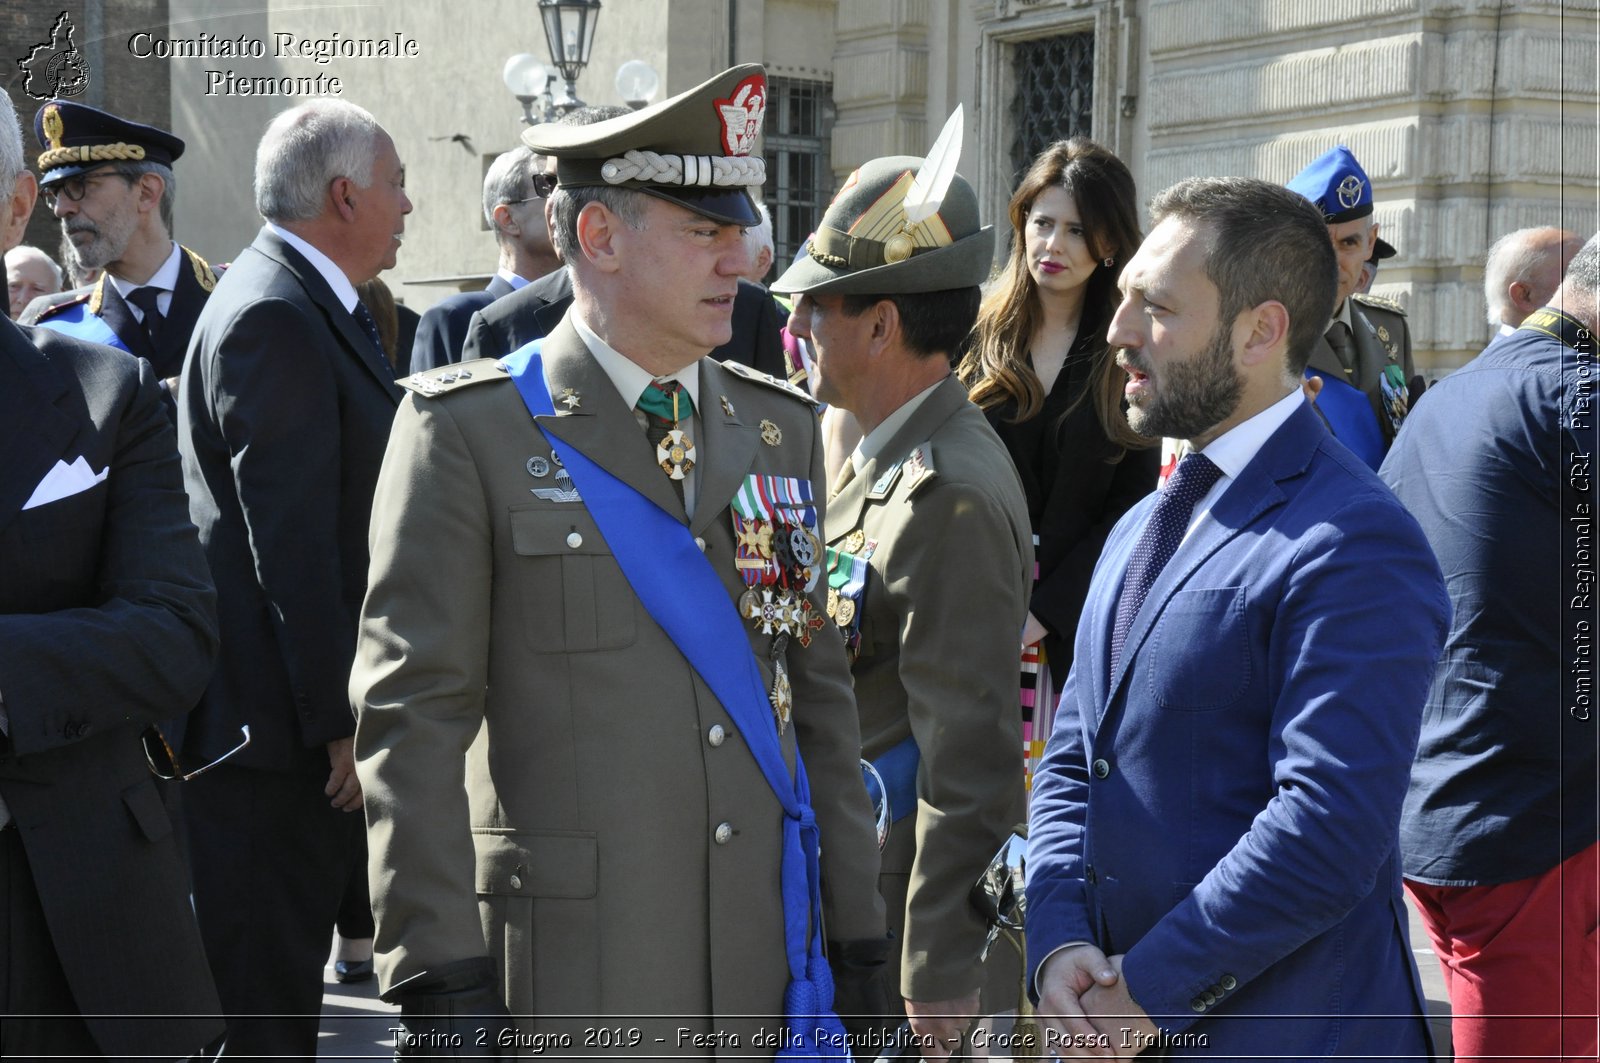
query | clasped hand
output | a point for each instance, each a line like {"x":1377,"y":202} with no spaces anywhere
{"x":1086,"y":1008}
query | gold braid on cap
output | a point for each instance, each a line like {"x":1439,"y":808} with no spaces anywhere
{"x":704,"y":171}
{"x":90,"y":153}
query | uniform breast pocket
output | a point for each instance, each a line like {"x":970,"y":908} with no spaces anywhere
{"x":574,"y":597}
{"x":1199,"y":653}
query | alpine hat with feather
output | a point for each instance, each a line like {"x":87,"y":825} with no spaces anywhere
{"x":887,"y":234}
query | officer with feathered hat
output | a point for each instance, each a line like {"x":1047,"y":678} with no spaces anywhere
{"x":929,"y":558}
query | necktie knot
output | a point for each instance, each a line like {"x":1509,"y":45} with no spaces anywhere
{"x":666,"y":400}
{"x":146,"y":300}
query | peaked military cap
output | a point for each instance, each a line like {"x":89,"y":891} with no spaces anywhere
{"x":77,"y":138}
{"x":865,"y":245}
{"x":693,"y":150}
{"x":1336,"y":185}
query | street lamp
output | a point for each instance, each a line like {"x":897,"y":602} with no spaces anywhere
{"x":528,"y":80}
{"x":569,"y":33}
{"x":637,"y":83}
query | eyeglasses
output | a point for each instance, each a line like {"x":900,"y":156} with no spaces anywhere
{"x":164,"y":763}
{"x":543,"y":185}
{"x":75,"y":188}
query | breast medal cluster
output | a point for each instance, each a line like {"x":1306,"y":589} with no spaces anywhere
{"x":780,"y":557}
{"x":847,"y":583}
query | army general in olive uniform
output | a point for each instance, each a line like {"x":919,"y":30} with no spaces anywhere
{"x":562,"y":814}
{"x":930,"y":557}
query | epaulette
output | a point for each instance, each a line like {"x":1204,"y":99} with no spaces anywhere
{"x":66,"y":304}
{"x":756,"y":376}
{"x":203,"y":274}
{"x":431,"y":383}
{"x":1382,"y":303}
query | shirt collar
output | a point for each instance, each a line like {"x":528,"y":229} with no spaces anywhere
{"x":1234,"y":449}
{"x":628,"y":376}
{"x":516,"y":280}
{"x":343,"y":290}
{"x":165,"y":278}
{"x":873,"y":442}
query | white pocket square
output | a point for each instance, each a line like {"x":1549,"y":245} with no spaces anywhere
{"x":64,"y":481}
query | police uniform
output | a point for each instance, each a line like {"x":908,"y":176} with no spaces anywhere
{"x":77,"y":139}
{"x":549,"y":781}
{"x":930,"y":561}
{"x":1377,"y":360}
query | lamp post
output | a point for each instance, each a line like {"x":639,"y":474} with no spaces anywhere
{"x":569,"y":33}
{"x":637,"y":83}
{"x":529,"y":81}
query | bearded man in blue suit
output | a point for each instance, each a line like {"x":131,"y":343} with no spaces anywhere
{"x":1212,"y":861}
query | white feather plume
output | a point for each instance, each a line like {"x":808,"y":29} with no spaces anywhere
{"x":933,"y":180}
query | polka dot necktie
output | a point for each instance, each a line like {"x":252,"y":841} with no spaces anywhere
{"x":369,"y":325}
{"x":1195,"y":475}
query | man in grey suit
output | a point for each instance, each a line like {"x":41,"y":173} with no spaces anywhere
{"x":107,"y":624}
{"x":284,"y":412}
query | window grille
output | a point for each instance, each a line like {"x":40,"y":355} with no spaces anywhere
{"x":1054,"y":94}
{"x":799,"y":180}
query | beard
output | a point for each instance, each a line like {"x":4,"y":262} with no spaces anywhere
{"x":1192,"y":396}
{"x":107,"y":239}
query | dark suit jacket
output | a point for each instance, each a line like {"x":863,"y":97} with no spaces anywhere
{"x":283,"y":415}
{"x":1496,"y":463}
{"x":1225,"y":808}
{"x":443,"y":328}
{"x":195,"y":283}
{"x":532,"y":313}
{"x":107,"y":624}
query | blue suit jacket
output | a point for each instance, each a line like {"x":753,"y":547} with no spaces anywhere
{"x":1224,"y":810}
{"x":443,"y":327}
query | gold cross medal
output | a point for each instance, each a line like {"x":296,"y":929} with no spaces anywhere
{"x":675,"y":454}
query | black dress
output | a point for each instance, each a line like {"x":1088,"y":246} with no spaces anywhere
{"x":1075,"y":494}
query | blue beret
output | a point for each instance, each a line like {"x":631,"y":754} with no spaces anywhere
{"x":1336,"y":185}
{"x":78,"y":138}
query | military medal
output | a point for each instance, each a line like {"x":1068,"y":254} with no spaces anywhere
{"x":538,"y":466}
{"x":778,"y":555}
{"x":675,"y":454}
{"x":854,"y":542}
{"x":727,"y":407}
{"x":847,"y":584}
{"x":771,"y":434}
{"x":782,"y":694}
{"x":569,"y":398}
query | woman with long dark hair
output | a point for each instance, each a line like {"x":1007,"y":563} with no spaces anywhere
{"x":1039,"y":366}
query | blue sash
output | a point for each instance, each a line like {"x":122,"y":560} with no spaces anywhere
{"x":681,"y":591}
{"x":1349,"y":415}
{"x":898,"y":766}
{"x":78,"y":323}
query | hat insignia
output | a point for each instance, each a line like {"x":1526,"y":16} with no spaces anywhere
{"x":741,"y":115}
{"x":1349,"y":191}
{"x":54,"y":127}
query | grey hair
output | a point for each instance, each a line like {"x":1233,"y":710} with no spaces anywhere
{"x":1513,"y":257}
{"x":307,"y":148}
{"x":27,"y":252}
{"x":1583,"y":272}
{"x":567,"y":203}
{"x":509,"y":180}
{"x":761,"y":232}
{"x":12,"y":160}
{"x":169,"y":184}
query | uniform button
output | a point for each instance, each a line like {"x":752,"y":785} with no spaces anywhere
{"x":716,"y":736}
{"x":723,"y":833}
{"x":1101,"y":768}
{"x":516,"y":882}
{"x":1209,"y":997}
{"x":574,"y":540}
{"x":1228,"y":983}
{"x":1197,"y":1004}
{"x":701,"y":543}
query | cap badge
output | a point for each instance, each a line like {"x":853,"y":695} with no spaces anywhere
{"x":1349,"y":191}
{"x":54,"y":128}
{"x":741,"y":115}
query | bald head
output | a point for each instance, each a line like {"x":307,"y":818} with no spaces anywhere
{"x":29,"y":274}
{"x":1523,"y":269}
